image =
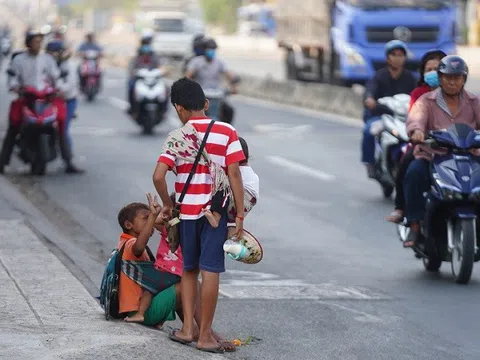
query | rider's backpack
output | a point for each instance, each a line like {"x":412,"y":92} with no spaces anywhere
{"x":109,"y":298}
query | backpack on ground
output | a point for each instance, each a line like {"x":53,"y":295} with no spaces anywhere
{"x":109,"y":298}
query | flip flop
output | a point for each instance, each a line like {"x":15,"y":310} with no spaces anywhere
{"x":217,"y":350}
{"x":177,"y":339}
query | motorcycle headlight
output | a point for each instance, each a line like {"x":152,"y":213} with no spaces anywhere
{"x":449,"y":192}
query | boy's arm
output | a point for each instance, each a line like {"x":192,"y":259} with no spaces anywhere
{"x":160,"y":183}
{"x":142,"y":239}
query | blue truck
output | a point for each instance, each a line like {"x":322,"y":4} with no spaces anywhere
{"x":342,"y":41}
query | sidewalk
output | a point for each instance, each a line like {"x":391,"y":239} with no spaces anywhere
{"x":46,"y":313}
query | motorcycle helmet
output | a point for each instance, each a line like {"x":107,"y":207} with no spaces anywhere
{"x":209,"y":43}
{"x":197,"y":45}
{"x":61,"y":30}
{"x":147,"y":37}
{"x":31,"y":35}
{"x":395,"y":45}
{"x":453,"y":65}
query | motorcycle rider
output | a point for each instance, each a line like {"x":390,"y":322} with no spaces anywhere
{"x":146,"y":58}
{"x":68,"y":89}
{"x":207,"y":70}
{"x":89,"y":44}
{"x":392,"y":80}
{"x":428,"y":81}
{"x":197,"y":48}
{"x":436,"y":110}
{"x":29,"y":68}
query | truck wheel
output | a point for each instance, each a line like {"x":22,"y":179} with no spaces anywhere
{"x":292,"y":73}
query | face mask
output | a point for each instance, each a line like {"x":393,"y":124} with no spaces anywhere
{"x":431,"y":78}
{"x":210,"y":53}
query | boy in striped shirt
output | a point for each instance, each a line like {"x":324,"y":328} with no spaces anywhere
{"x":202,"y":244}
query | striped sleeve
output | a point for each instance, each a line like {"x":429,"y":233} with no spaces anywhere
{"x":168,"y":159}
{"x":234,"y":150}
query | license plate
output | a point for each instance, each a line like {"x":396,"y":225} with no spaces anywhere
{"x":151,"y":106}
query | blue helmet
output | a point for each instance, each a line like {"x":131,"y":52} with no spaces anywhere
{"x":55,"y":46}
{"x":395,"y":45}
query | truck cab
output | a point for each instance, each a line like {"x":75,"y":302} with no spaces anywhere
{"x":342,"y":41}
{"x":174,"y":33}
{"x":360,"y":30}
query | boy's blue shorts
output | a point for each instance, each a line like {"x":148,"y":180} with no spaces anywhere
{"x":202,"y":244}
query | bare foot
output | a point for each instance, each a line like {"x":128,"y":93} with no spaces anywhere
{"x":395,"y":216}
{"x":211,"y":218}
{"x":226,"y":344}
{"x":137,"y":318}
{"x":181,"y":337}
{"x":208,"y":343}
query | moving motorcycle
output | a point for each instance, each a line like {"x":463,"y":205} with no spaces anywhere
{"x":38,"y":135}
{"x":5,"y":45}
{"x":151,"y":98}
{"x":391,"y":140}
{"x":90,"y":74}
{"x":451,"y":220}
{"x":218,"y":108}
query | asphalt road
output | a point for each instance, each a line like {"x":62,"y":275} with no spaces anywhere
{"x":335,"y":282}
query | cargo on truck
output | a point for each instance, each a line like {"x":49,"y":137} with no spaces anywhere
{"x":342,"y":41}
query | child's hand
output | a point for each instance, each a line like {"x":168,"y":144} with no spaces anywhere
{"x":153,"y":204}
{"x":159,"y":223}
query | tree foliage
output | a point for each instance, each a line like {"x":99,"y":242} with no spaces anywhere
{"x":221,"y":13}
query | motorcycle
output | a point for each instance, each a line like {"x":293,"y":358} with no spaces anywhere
{"x":218,"y":108}
{"x":391,"y":140}
{"x":90,"y":74}
{"x":151,"y":98}
{"x":38,"y":135}
{"x":452,"y":204}
{"x":5,"y":45}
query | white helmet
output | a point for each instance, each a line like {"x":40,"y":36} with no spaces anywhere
{"x":147,"y":34}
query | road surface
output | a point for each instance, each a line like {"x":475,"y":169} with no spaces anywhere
{"x":335,"y":282}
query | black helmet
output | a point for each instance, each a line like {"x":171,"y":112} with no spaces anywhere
{"x":453,"y":65}
{"x":31,"y":35}
{"x":209,"y":43}
{"x":198,"y":41}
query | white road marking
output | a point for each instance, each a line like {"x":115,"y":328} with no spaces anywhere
{"x":299,"y":168}
{"x":278,"y":130}
{"x":299,"y":292}
{"x":118,"y":103}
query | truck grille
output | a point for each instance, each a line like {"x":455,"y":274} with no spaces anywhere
{"x":410,"y":65}
{"x":414,"y":34}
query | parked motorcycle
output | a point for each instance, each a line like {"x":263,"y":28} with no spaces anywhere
{"x":391,"y":140}
{"x":90,"y":74}
{"x":38,"y":136}
{"x":452,"y":204}
{"x":151,"y":98}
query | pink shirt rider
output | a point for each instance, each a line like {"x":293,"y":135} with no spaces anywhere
{"x":430,"y":112}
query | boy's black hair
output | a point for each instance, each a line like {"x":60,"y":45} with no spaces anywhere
{"x":129,"y":212}
{"x":188,"y":94}
{"x":244,"y":145}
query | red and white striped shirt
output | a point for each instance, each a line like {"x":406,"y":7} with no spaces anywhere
{"x":223,"y":147}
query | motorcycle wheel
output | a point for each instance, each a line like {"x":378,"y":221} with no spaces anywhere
{"x":90,"y":94}
{"x":387,"y":190}
{"x":463,"y":254}
{"x":432,"y":263}
{"x":38,"y":167}
{"x":149,"y":122}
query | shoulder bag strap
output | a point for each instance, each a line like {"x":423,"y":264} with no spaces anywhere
{"x":195,"y":163}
